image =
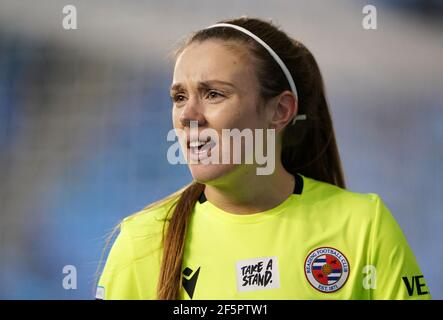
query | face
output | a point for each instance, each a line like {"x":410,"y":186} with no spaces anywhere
{"x":217,"y":88}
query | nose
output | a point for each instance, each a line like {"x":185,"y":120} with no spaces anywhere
{"x":192,"y":111}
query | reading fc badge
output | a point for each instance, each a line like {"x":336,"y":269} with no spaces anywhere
{"x":326,"y":269}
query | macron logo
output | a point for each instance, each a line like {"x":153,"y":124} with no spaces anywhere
{"x":190,"y":282}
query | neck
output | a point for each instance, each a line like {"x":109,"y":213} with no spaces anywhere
{"x":246,"y":192}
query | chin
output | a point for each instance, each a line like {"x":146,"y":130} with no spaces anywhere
{"x":203,"y":173}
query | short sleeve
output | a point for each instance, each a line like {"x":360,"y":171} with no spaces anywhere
{"x":118,"y":280}
{"x":398,"y":275}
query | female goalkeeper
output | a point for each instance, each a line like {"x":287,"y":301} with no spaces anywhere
{"x":293,"y":233}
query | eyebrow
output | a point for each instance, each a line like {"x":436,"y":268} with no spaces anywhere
{"x":203,"y":84}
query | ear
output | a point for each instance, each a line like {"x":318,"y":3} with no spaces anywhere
{"x":283,"y":109}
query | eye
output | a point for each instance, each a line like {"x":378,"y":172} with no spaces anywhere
{"x":212,"y":94}
{"x":177,"y":97}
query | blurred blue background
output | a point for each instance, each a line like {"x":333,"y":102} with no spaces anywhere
{"x":84,"y":116}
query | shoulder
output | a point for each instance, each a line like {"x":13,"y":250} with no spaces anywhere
{"x":344,"y":203}
{"x":148,"y":221}
{"x":320,"y":191}
{"x":139,"y":235}
{"x":137,"y":246}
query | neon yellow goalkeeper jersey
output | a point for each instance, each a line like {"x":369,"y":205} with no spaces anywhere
{"x":322,"y":242}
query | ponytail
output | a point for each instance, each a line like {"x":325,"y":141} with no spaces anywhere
{"x":174,"y":243}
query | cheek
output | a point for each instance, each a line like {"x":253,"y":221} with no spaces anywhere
{"x":175,"y":117}
{"x":235,"y":114}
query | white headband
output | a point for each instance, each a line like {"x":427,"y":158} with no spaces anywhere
{"x":273,"y":54}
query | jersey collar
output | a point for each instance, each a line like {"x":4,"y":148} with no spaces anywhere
{"x":298,"y":188}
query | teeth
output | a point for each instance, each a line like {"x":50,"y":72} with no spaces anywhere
{"x":196,"y":144}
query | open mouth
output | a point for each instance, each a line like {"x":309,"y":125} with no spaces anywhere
{"x":201,"y":147}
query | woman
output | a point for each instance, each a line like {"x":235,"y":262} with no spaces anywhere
{"x":294,"y":233}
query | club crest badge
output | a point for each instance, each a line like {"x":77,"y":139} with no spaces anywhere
{"x":326,"y":269}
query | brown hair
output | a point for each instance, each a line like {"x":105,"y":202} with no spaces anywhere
{"x":308,"y":147}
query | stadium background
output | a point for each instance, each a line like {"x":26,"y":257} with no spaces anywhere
{"x":84,"y":116}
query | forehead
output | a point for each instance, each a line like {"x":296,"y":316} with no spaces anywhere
{"x":212,"y":60}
